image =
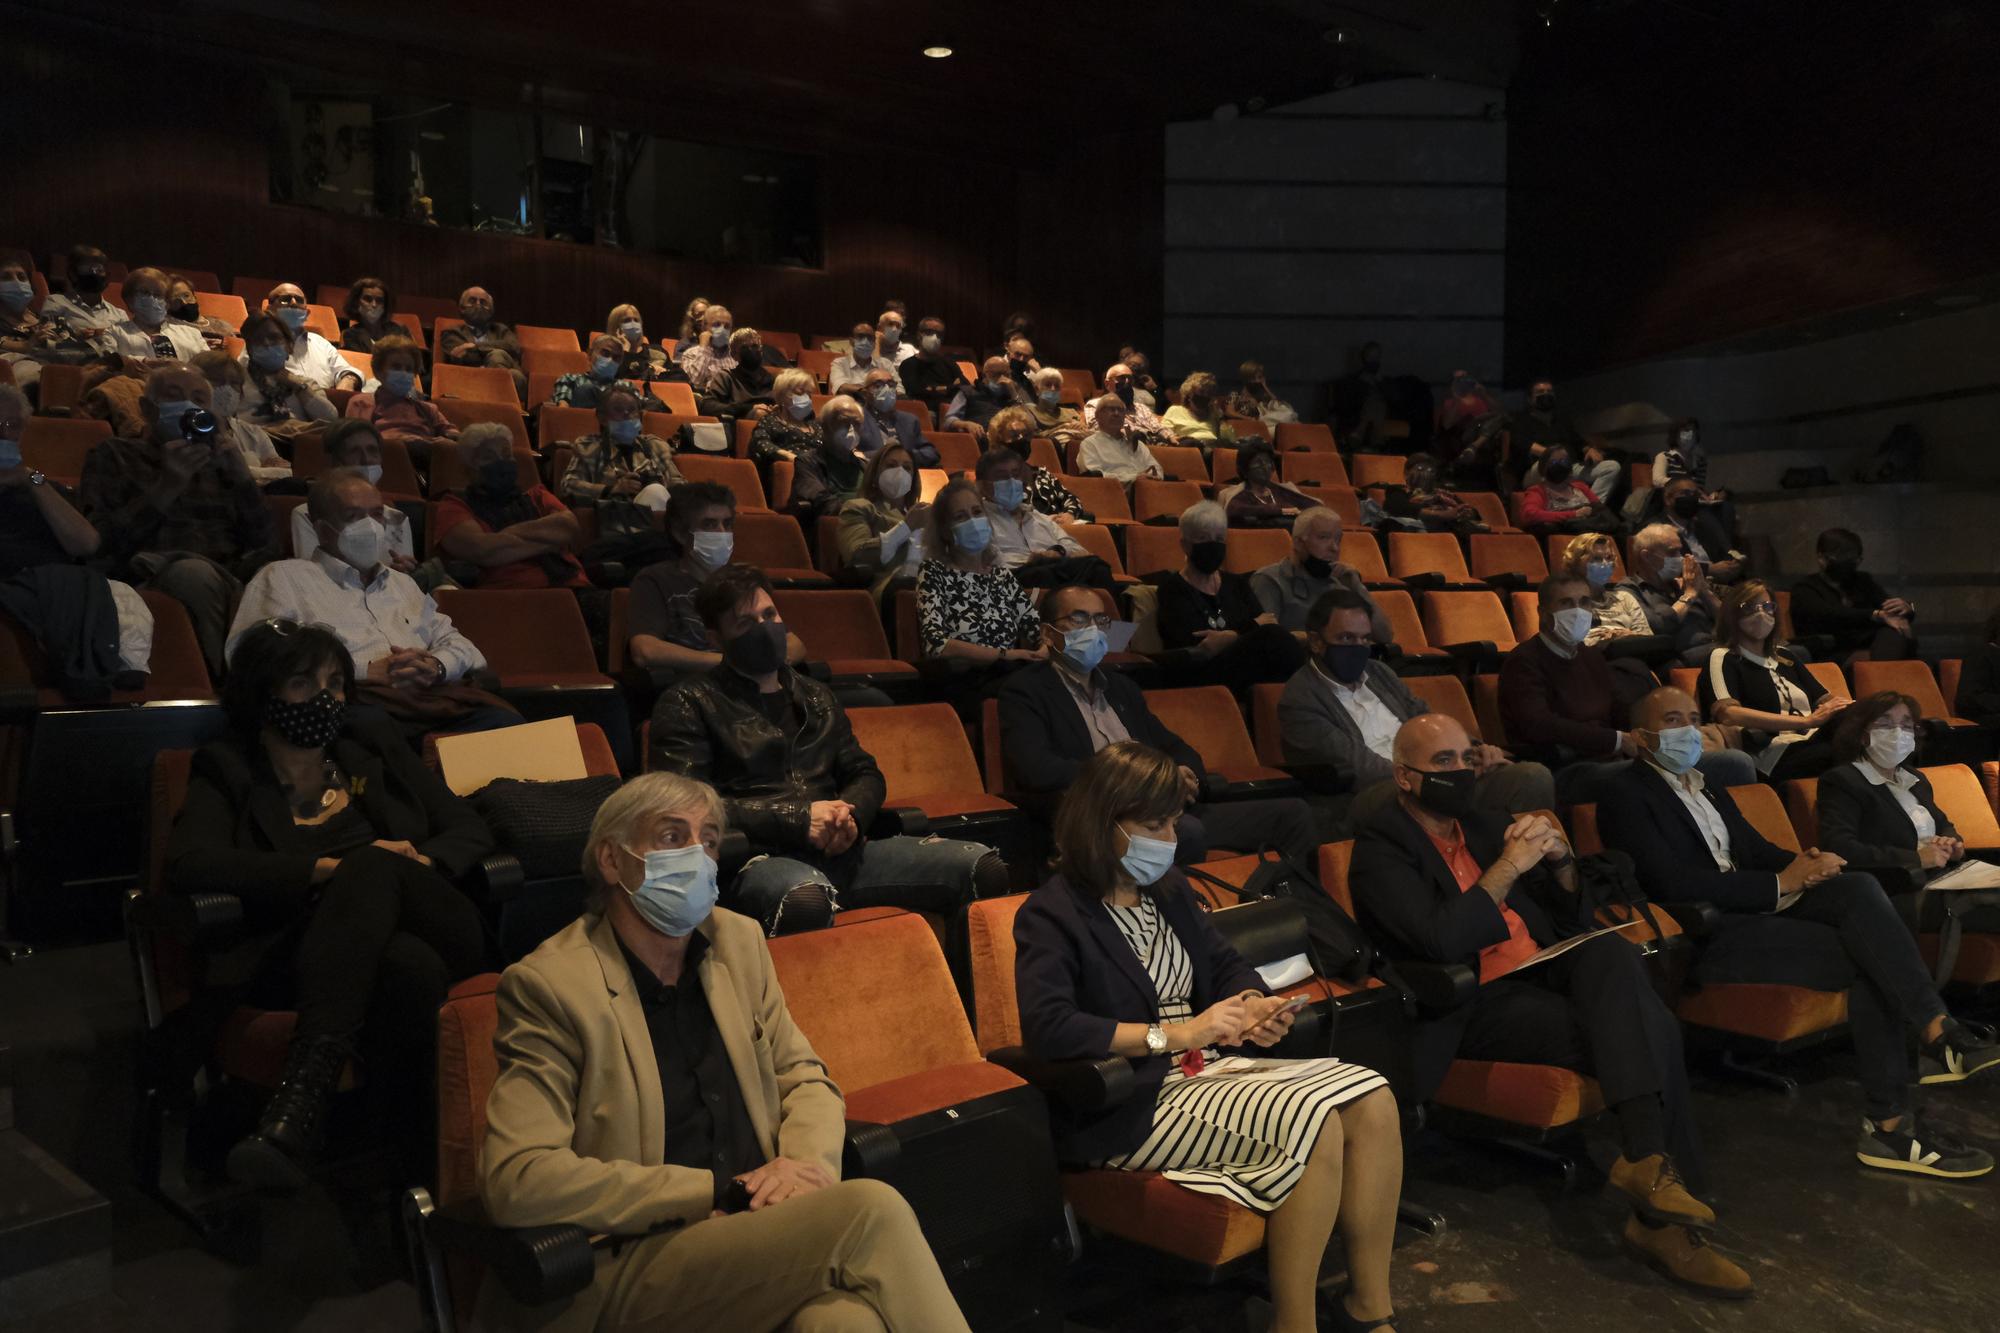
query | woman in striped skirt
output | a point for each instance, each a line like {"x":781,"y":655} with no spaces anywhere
{"x":1115,"y":957}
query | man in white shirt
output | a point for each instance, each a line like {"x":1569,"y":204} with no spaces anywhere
{"x":1795,"y":919}
{"x":1339,"y":715}
{"x":1022,"y":535}
{"x":1107,"y":452}
{"x":83,"y":306}
{"x":313,"y":358}
{"x":147,"y":334}
{"x":889,"y":344}
{"x":403,"y":647}
{"x":850,"y":371}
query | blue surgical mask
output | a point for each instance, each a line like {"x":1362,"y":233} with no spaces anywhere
{"x":1008,"y":493}
{"x":971,"y":535}
{"x":1146,"y":859}
{"x":633,"y":330}
{"x":170,"y":414}
{"x":885,"y":398}
{"x":1050,"y":397}
{"x":890,"y":337}
{"x":713,"y":549}
{"x":1598,"y":573}
{"x":403,"y":382}
{"x":1670,"y":568}
{"x":15,"y":293}
{"x":624,"y":432}
{"x":802,"y":406}
{"x":718,"y":338}
{"x":269,"y":357}
{"x":863,"y":348}
{"x":294,"y":316}
{"x":1572,"y":625}
{"x":10,"y":454}
{"x":678,"y":890}
{"x":1678,"y":749}
{"x":149,"y":310}
{"x":1085,"y":647}
{"x":604,"y":367}
{"x":996,"y":386}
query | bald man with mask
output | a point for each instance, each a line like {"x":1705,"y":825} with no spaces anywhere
{"x":1436,"y":880}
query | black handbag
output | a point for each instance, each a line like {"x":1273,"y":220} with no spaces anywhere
{"x":543,"y":825}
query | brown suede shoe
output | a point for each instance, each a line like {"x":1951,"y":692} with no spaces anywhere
{"x":1654,"y":1186}
{"x":1682,"y":1254}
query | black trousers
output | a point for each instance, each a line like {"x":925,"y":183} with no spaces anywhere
{"x":1283,"y":822}
{"x":1843,"y":934}
{"x":1593,"y":1010}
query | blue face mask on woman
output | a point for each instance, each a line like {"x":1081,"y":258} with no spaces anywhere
{"x":801,"y":406}
{"x":678,"y":890}
{"x":604,"y":367}
{"x":1598,"y":573}
{"x":1146,"y":859}
{"x":268,"y":357}
{"x":971,"y":535}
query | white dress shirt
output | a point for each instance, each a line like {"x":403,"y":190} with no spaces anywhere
{"x":317,"y":361}
{"x":128,"y":339}
{"x":305,"y":537}
{"x":1027,"y":532}
{"x":1378,"y":726}
{"x":1688,"y":786}
{"x":1117,"y":458}
{"x":372,"y":619}
{"x":846,"y":372}
{"x":1901,"y":787}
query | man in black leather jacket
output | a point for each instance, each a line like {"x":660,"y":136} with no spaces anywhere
{"x":778,"y":747}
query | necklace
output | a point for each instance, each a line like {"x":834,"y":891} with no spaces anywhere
{"x":331,"y":784}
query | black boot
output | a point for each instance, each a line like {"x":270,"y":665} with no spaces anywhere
{"x":293,"y":1126}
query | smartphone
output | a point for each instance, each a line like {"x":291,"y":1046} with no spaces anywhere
{"x":1292,"y":1005}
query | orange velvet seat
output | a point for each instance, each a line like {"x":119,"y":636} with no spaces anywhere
{"x":1536,"y":1096}
{"x":839,"y":626}
{"x":926,"y":760}
{"x":1770,"y":1013}
{"x":1206,"y":717}
{"x":1978,"y":962}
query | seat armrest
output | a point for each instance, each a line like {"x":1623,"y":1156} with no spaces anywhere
{"x":1693,"y":918}
{"x":1438,"y":987}
{"x":869,"y":1151}
{"x":1075,"y":1085}
{"x":818,"y":671}
{"x":905,"y":821}
{"x":204,"y":922}
{"x":1213,"y":786}
{"x":499,"y":877}
{"x":730,"y":855}
{"x":537,"y":1265}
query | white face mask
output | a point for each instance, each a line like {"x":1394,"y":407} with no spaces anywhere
{"x":894,"y":481}
{"x":1890,"y":746}
{"x":224,"y":399}
{"x":372,"y":471}
{"x":713,"y":549}
{"x":361,"y":543}
{"x":930,"y":342}
{"x":1572,"y":625}
{"x":1757,"y":627}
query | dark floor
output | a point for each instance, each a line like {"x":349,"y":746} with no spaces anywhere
{"x":1833,"y":1248}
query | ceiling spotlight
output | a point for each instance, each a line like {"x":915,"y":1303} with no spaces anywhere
{"x":937,"y":52}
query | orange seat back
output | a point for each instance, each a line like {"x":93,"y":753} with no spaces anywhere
{"x":1316,"y":435}
{"x":1148,"y":550}
{"x":1181,"y":463}
{"x":996,"y":1013}
{"x":875,"y":999}
{"x":1097,"y":540}
{"x":1265,"y":729}
{"x":1492,"y":511}
{"x":1313,"y":469}
{"x":540,"y":338}
{"x":61,"y":387}
{"x":1102,"y":496}
{"x":678,"y":397}
{"x":1507,"y":553}
{"x":1802,"y":808}
{"x":58,"y":446}
{"x":1765,"y":812}
{"x":222,"y":306}
{"x":1960,"y":794}
{"x":1377,"y":470}
{"x":921,"y":750}
{"x":1360,"y":550}
{"x":1250,"y":549}
{"x":1526,"y":608}
{"x":957,"y":452}
{"x":1583,"y":836}
{"x":1041,"y":453}
{"x":1342,"y":500}
{"x":772,"y":542}
{"x":1248,"y":428}
{"x":1444,"y":694}
{"x":1782,"y":597}
{"x":1427,"y":553}
{"x":1404,"y":623}
{"x":463,"y":412}
{"x":547,"y":364}
{"x":1206,"y":718}
{"x":1830,"y":675}
{"x":1685,"y":679}
{"x":1467,"y":617}
{"x":467,"y":1068}
{"x":833,"y":623}
{"x":1910,"y":677}
{"x":361,"y":361}
{"x":524,"y":631}
{"x":555,"y":423}
{"x":1334,"y":860}
{"x":738,"y":474}
{"x":1486,"y":707}
{"x":179,"y":670}
{"x":816,"y":362}
{"x":1170,"y":499}
{"x":1948,"y":669}
{"x":486,"y":384}
{"x":787,"y":345}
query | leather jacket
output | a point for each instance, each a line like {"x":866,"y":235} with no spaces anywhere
{"x":711,"y":728}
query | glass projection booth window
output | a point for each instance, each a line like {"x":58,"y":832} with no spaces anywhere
{"x":451,"y":164}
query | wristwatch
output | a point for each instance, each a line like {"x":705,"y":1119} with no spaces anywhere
{"x":1156,"y":1040}
{"x":35,"y":477}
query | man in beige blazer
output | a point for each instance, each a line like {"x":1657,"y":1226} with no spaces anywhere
{"x":765,"y":1235}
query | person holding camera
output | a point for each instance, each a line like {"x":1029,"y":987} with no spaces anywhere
{"x":177,"y":507}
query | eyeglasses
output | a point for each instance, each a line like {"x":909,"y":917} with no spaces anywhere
{"x":1083,"y":620}
{"x":1768,"y":608}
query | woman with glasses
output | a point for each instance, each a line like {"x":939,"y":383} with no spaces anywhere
{"x":1752,"y":683}
{"x":1210,"y":618}
{"x":883,"y":528}
{"x":342,"y":847}
{"x":970,"y":608}
{"x":1876,"y":811}
{"x":147,"y":334}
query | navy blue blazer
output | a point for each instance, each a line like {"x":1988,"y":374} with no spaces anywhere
{"x":1641,"y":816}
{"x":1076,"y":979}
{"x":1043,"y":735}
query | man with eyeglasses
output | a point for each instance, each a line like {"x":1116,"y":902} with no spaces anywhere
{"x":1339,"y":715}
{"x":1666,"y":594}
{"x":1056,"y":714}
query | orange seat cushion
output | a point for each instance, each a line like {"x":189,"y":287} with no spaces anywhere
{"x":466,"y":1068}
{"x":943,"y":805}
{"x":252,"y":1044}
{"x":1767,"y":1012}
{"x":870,"y":666}
{"x":989,"y":925}
{"x":931,"y":1090}
{"x":1537,"y":1096}
{"x":1148,"y":1209}
{"x":1978,"y":962}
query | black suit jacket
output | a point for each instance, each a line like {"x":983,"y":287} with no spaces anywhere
{"x":1411,"y":906}
{"x":1642,"y":817}
{"x":1076,"y":979}
{"x":1860,"y":822}
{"x":1044,"y":737}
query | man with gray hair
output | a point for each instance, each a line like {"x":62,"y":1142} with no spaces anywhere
{"x":520,"y":537}
{"x":632,"y":1102}
{"x":1666,"y":594}
{"x":1289,"y":588}
{"x":482,"y":340}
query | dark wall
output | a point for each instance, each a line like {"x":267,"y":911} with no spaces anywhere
{"x":1676,"y":180}
{"x":176,"y":173}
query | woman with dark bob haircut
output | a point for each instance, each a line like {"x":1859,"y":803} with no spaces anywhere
{"x":342,"y":847}
{"x":1115,"y":957}
{"x":1877,"y":812}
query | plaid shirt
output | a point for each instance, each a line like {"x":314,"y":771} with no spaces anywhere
{"x":127,"y":494}
{"x":595,"y":464}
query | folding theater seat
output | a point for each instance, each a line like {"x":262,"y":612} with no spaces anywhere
{"x":1288,"y":435}
{"x":1207,"y":718}
{"x":1515,"y":554}
{"x":58,"y":446}
{"x":1377,"y":470}
{"x":841,"y":627}
{"x":1342,"y":500}
{"x":537,"y":645}
{"x":540,"y":338}
{"x":1468,"y":622}
{"x":1964,"y":797}
{"x":1163,"y":501}
{"x":1151,"y":550}
{"x":1246,"y":550}
{"x":1486,"y":706}
{"x":933,"y":781}
{"x":1407,"y":627}
{"x":1492,"y":511}
{"x":964,"y":1140}
{"x":1181,"y":463}
{"x":738,"y":474}
{"x":1316,"y":468}
{"x":957,"y":451}
{"x":775,"y":544}
{"x":463,"y":412}
{"x":555,"y":423}
{"x":487,"y":384}
{"x":1912,"y":678}
{"x":1428,"y":559}
{"x":1360,"y":550}
{"x":679,"y":398}
{"x":1097,"y":541}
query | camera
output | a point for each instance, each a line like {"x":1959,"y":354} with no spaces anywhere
{"x":198,"y":426}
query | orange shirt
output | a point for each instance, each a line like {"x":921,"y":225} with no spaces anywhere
{"x":1495,"y":960}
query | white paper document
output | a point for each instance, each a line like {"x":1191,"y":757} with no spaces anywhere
{"x":1561,"y":947}
{"x":1968,"y":875}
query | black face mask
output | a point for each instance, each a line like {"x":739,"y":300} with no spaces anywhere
{"x":1840,"y":571}
{"x":1545,"y":402}
{"x":309,"y":724}
{"x":1372,"y":364}
{"x":1448,"y":793}
{"x":1208,"y":556}
{"x":1558,"y":470}
{"x":1687,"y":506}
{"x":1347,"y":662}
{"x":1125,"y":391}
{"x":499,"y":477}
{"x":1316,"y":567}
{"x":1019,"y":370}
{"x":759,"y":650}
{"x":90,"y":284}
{"x":186,"y":310}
